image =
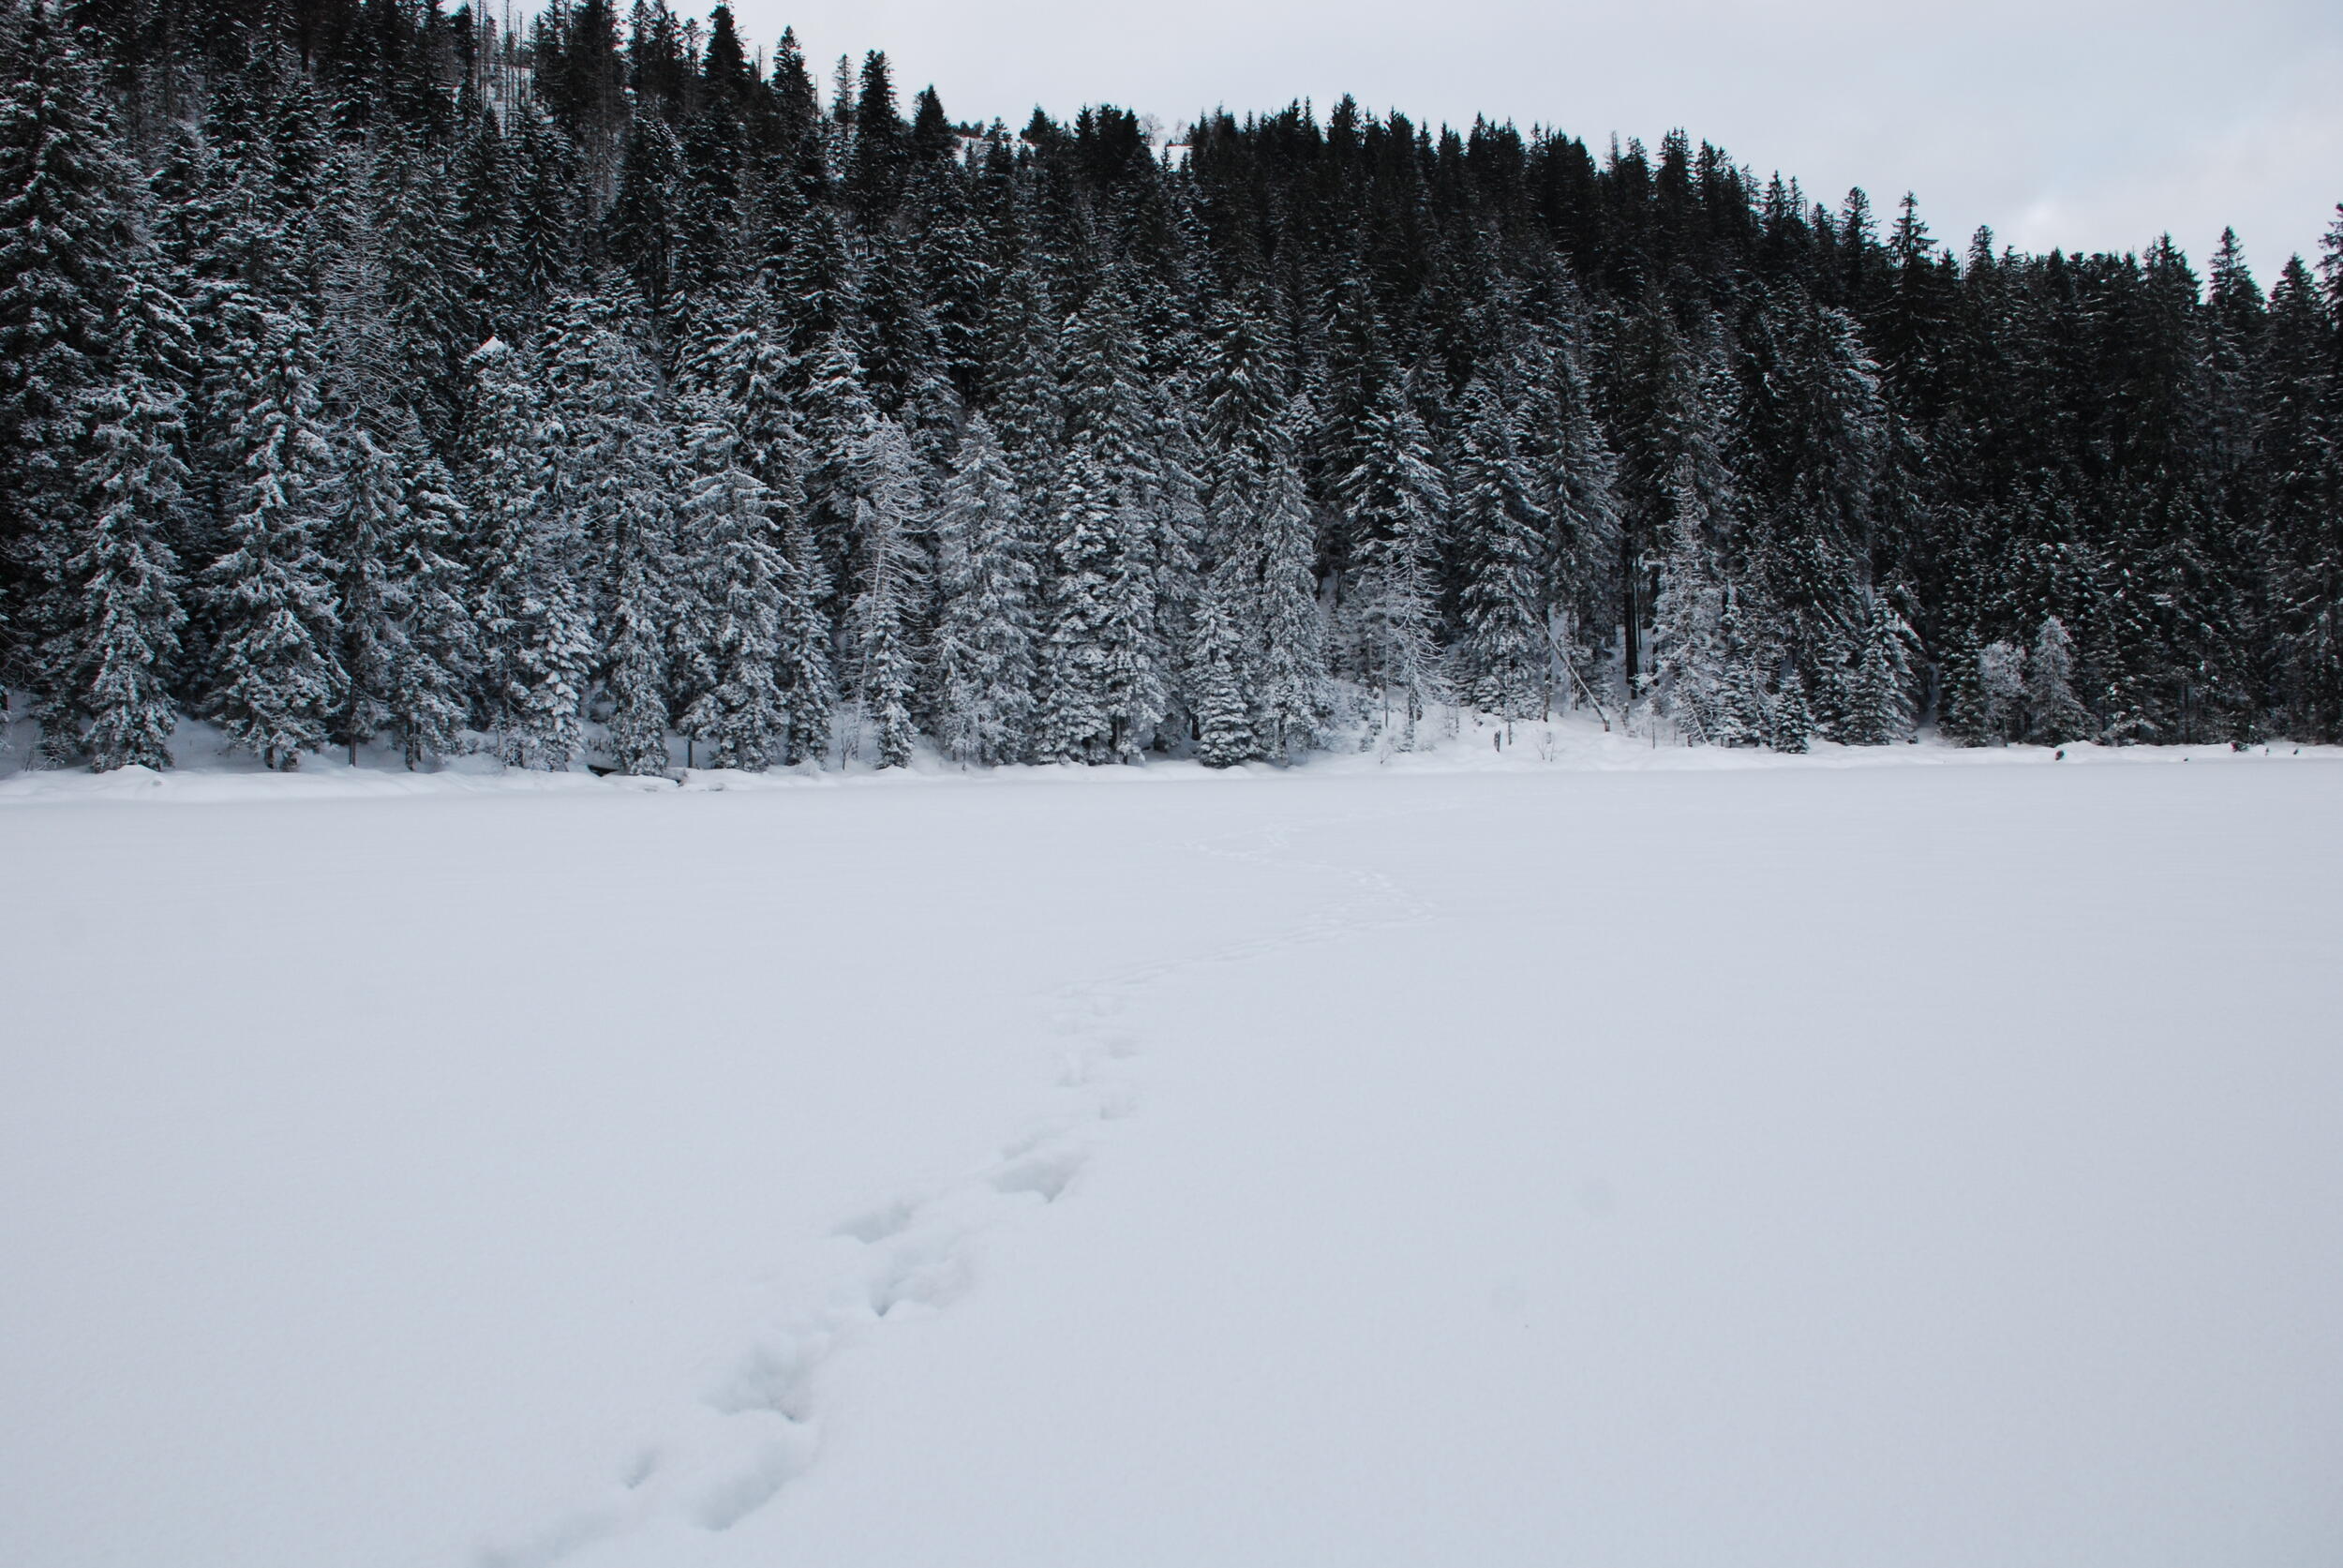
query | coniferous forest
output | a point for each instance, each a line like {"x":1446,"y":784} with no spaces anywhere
{"x":598,"y":387}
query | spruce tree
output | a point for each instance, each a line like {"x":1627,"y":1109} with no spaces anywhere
{"x":880,"y":153}
{"x":1076,"y":724}
{"x":372,"y":513}
{"x":64,"y":232}
{"x":2001,"y":670}
{"x":635,"y":644}
{"x":1691,"y":658}
{"x":736,"y":599}
{"x":1023,"y":391}
{"x":882,"y":621}
{"x":1748,"y":714}
{"x":988,"y":585}
{"x":1295,"y":700}
{"x":808,"y":661}
{"x":1789,"y":712}
{"x":708,"y":242}
{"x":610,"y":441}
{"x":275,"y":679}
{"x":115,"y":656}
{"x":426,"y":705}
{"x":955,"y":274}
{"x":1222,"y":675}
{"x":1503,"y":597}
{"x":361,"y":377}
{"x":645,"y":221}
{"x":1680,"y":414}
{"x":2054,"y":714}
{"x":1398,"y":500}
{"x":428,"y":283}
{"x":1103,"y":680}
{"x":835,"y":416}
{"x":1815,"y":427}
{"x":547,"y":204}
{"x":1964,"y":711}
{"x":1125,"y":525}
{"x":488,"y":232}
{"x":902,"y":357}
{"x":812,"y":280}
{"x":2299,"y":443}
{"x":1575,"y":474}
{"x":749,"y":371}
{"x":1239,"y":398}
{"x":1879,"y":700}
{"x":533,"y":623}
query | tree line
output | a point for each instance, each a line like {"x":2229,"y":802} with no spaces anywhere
{"x":371,"y":373}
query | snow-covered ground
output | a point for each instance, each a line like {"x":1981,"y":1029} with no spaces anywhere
{"x":1580,"y":1153}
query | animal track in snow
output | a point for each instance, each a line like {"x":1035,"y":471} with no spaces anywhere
{"x":1045,"y":1174}
{"x":774,"y":1460}
{"x":879,"y":1224}
{"x":757,"y":1426}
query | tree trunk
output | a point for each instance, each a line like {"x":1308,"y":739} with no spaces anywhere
{"x":1628,"y":616}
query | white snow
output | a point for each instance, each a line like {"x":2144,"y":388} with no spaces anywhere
{"x":1574,"y":1154}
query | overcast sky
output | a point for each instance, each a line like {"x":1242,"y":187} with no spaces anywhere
{"x":2087,"y":123}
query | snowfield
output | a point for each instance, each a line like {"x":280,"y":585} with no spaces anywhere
{"x":1578,"y":1154}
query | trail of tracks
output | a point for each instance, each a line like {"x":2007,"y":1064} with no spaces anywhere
{"x":759,"y":1424}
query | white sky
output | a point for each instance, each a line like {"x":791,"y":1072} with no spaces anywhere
{"x":2091,"y":124}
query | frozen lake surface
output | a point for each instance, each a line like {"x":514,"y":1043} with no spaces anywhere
{"x":1919,"y":1159}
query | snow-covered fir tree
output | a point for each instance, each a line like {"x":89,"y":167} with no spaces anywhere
{"x":1963,"y":713}
{"x":1788,"y":706}
{"x":2001,"y":688}
{"x":535,"y":651}
{"x":2054,"y":714}
{"x":1025,"y":406}
{"x":276,"y":677}
{"x":372,"y":513}
{"x":1076,"y":723}
{"x":427,"y":315}
{"x":1878,"y":709}
{"x":1119,"y":516}
{"x":610,"y":444}
{"x":732,"y":611}
{"x":120,"y":587}
{"x":426,"y":705}
{"x":1692,"y":660}
{"x":1577,"y":476}
{"x":835,"y":417}
{"x":636,"y":643}
{"x":883,"y":622}
{"x":1293,"y":701}
{"x":116,"y":588}
{"x":1503,"y":596}
{"x":1398,"y":500}
{"x":988,"y":585}
{"x":66,"y":238}
{"x":1752,"y":709}
{"x":1814,"y":431}
{"x":809,"y":677}
{"x":1222,"y":674}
